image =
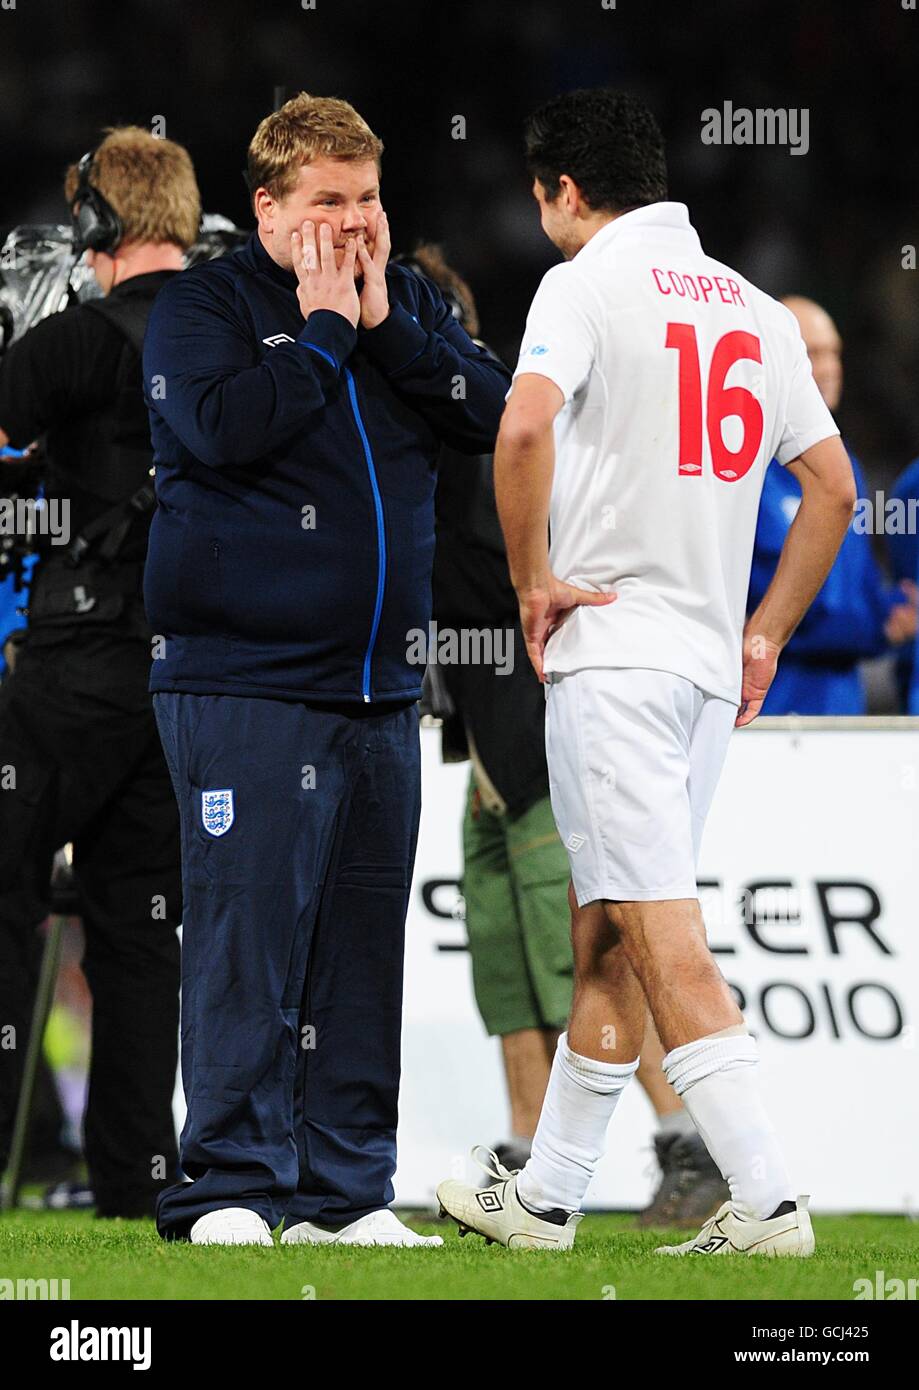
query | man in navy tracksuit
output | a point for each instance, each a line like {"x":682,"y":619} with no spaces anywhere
{"x":299,"y":393}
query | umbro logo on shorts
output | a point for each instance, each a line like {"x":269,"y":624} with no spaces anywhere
{"x":575,"y":842}
{"x":489,"y":1200}
{"x":277,"y":338}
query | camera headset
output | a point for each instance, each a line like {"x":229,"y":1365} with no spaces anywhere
{"x":96,"y":224}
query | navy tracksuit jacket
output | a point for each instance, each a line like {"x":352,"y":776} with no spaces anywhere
{"x":289,"y":558}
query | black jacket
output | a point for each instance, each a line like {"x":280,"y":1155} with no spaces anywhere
{"x":74,"y":383}
{"x":504,"y":712}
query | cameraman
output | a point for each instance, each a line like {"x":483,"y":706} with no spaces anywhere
{"x":76,"y":725}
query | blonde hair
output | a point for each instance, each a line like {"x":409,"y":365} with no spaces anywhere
{"x":303,"y":129}
{"x":149,"y":182}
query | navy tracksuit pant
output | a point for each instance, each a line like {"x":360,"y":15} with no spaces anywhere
{"x":299,"y":826}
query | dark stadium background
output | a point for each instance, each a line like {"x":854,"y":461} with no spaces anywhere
{"x":830,"y":224}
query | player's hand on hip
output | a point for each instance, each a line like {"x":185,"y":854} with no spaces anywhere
{"x":544,"y":608}
{"x":760,"y":659}
{"x":321,"y":284}
{"x":374,"y":294}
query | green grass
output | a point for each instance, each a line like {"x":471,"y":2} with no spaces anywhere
{"x":127,"y":1260}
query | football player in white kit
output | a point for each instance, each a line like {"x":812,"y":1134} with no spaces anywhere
{"x":653,"y":387}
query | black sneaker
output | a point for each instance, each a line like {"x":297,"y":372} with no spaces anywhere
{"x":691,"y":1187}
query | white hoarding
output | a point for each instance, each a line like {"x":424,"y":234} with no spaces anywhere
{"x":809,"y":879}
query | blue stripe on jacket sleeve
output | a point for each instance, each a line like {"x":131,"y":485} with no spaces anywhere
{"x":322,"y":353}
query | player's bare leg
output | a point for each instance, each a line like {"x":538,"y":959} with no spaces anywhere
{"x":710,"y":1063}
{"x":608,"y":1009}
{"x":687,"y":993}
{"x":629,"y":956}
{"x":593,"y":1063}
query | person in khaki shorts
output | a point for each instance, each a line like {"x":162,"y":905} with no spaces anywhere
{"x":515,"y":881}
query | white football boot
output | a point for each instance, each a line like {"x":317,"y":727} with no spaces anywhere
{"x":231,"y":1226}
{"x":726,"y":1233}
{"x":378,"y":1228}
{"x":497,"y":1213}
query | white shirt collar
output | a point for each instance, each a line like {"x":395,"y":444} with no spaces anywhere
{"x":672,"y":217}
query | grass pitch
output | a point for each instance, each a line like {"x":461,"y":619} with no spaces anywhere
{"x":611,"y":1259}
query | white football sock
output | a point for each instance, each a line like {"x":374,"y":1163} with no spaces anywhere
{"x":715,"y":1080}
{"x":571,"y":1135}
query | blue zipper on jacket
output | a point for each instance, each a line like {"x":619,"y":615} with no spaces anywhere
{"x":381,"y":535}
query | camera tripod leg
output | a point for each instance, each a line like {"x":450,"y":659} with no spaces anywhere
{"x":44,"y":997}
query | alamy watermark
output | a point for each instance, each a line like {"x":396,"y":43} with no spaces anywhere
{"x":465,"y":646}
{"x":26,"y":1290}
{"x":36,"y":516}
{"x":886,"y":516}
{"x":77,"y":1342}
{"x":764,"y":125}
{"x":889,"y":1290}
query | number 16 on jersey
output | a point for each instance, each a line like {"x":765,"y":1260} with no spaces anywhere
{"x":721,"y":402}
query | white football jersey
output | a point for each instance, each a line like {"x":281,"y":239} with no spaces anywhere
{"x":681,"y":381}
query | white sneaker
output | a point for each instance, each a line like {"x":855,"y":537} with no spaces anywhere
{"x":231,"y":1226}
{"x":726,"y":1233}
{"x":378,"y":1228}
{"x":498,"y":1214}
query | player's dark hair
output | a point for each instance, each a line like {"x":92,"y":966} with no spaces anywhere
{"x":608,"y":142}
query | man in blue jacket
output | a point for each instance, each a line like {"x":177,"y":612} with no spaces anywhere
{"x":856,"y":615}
{"x":299,"y":393}
{"x":903,"y":554}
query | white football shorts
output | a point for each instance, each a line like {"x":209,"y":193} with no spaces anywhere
{"x":634,"y":758}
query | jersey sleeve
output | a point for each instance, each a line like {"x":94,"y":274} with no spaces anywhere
{"x":562,"y":332}
{"x":807,"y":419}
